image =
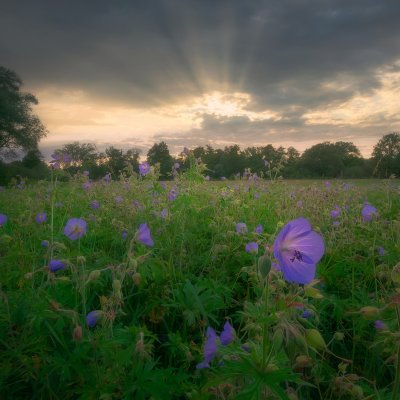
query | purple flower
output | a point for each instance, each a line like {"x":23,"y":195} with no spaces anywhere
{"x":381,"y":251}
{"x":164,"y":213}
{"x":107,"y":177}
{"x":307,"y":314}
{"x":144,"y":168}
{"x":327,"y":184}
{"x":87,"y":185}
{"x":40,"y":217}
{"x":75,"y":228}
{"x":173,"y":194}
{"x":92,"y":318}
{"x":210,"y":349}
{"x":379,"y":325}
{"x":56,"y":265}
{"x":3,"y":219}
{"x":297,"y":249}
{"x":143,"y":235}
{"x":336,"y":212}
{"x":85,"y":173}
{"x":252,"y":247}
{"x":124,"y":234}
{"x":241,"y":227}
{"x":94,"y":205}
{"x":299,"y":204}
{"x":177,"y":165}
{"x":258,"y":229}
{"x":227,"y":335}
{"x":45,"y":243}
{"x":118,"y":199}
{"x":368,"y":212}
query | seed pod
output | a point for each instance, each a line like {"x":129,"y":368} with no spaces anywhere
{"x":338,"y":336}
{"x":303,"y":361}
{"x":116,"y":285}
{"x":314,"y":339}
{"x":395,"y":275}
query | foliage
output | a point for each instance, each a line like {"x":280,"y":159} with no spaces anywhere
{"x":386,"y":156}
{"x":19,"y":127}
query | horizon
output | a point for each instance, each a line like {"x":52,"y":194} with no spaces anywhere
{"x":207,"y":73}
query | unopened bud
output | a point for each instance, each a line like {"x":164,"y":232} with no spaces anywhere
{"x":357,"y":392}
{"x":314,"y":339}
{"x":77,"y":333}
{"x":94,"y":275}
{"x":395,"y":275}
{"x":132,"y":263}
{"x":28,"y":275}
{"x":81,"y":259}
{"x":264,"y":265}
{"x":369,"y":312}
{"x":137,"y":278}
{"x":116,"y":285}
{"x":338,"y":336}
{"x":5,"y":239}
{"x":303,"y":361}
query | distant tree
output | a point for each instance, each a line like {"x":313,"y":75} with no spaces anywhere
{"x":82,"y":154}
{"x":19,"y":128}
{"x":386,"y":155}
{"x":32,"y":158}
{"x":159,"y":153}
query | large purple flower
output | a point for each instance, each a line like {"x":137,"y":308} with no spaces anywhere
{"x":241,"y":228}
{"x":75,"y":228}
{"x":210,"y":349}
{"x":143,"y":235}
{"x":227,"y":335}
{"x":144,"y":168}
{"x":297,"y":249}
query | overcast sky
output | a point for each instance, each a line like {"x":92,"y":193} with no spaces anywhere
{"x":197,"y":72}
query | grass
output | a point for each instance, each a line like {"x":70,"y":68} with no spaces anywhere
{"x":156,"y":303}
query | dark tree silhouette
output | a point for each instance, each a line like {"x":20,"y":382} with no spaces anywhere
{"x":19,"y":128}
{"x":386,"y":155}
{"x":159,"y":153}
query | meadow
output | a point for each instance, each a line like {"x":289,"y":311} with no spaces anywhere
{"x":194,"y":289}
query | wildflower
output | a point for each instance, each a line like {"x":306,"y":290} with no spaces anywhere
{"x":252,"y":247}
{"x":297,"y":249}
{"x":3,"y":219}
{"x":86,"y":186}
{"x":336,"y":212}
{"x":85,"y":173}
{"x":227,"y":335}
{"x":40,"y":217}
{"x":143,"y":235}
{"x":94,"y":205}
{"x":164,"y":213}
{"x":307,"y":314}
{"x":92,"y":318}
{"x":368,"y":212}
{"x":207,"y":178}
{"x":241,"y":227}
{"x":45,"y":243}
{"x":56,"y":265}
{"x":144,"y":168}
{"x":75,"y":228}
{"x":258,"y":229}
{"x":210,"y":349}
{"x":299,"y":204}
{"x":177,"y":165}
{"x":124,"y":234}
{"x":118,"y":199}
{"x":173,"y":194}
{"x":327,"y":184}
{"x":381,"y":251}
{"x":379,"y":325}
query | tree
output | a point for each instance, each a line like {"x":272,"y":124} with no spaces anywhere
{"x":386,"y":155}
{"x":19,"y":128}
{"x":82,"y":155}
{"x":159,"y":153}
{"x":32,"y":158}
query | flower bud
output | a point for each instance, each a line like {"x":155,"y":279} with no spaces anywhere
{"x":395,"y":275}
{"x":369,"y":312}
{"x":277,"y":339}
{"x":314,"y":339}
{"x":77,"y":333}
{"x":357,"y":392}
{"x":132,"y":263}
{"x":81,"y":260}
{"x":137,"y":278}
{"x":94,"y":275}
{"x":303,"y":361}
{"x":264,"y":265}
{"x":116,"y":285}
{"x":338,"y":336}
{"x":28,"y":275}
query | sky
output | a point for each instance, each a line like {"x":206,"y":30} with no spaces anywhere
{"x":198,"y":72}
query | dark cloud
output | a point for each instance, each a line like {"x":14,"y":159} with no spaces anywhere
{"x":157,"y":52}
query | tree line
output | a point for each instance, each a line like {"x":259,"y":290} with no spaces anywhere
{"x":21,"y":130}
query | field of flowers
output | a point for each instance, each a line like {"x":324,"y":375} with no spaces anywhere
{"x":191,"y":289}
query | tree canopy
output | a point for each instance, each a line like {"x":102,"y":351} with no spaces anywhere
{"x":386,"y":155}
{"x":19,"y":127}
